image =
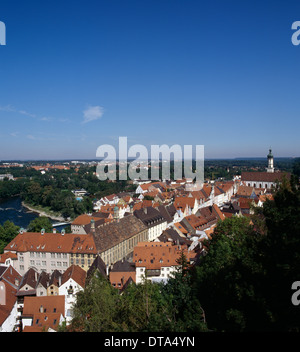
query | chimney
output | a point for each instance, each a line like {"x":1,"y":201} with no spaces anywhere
{"x":21,"y":231}
{"x":42,"y":232}
{"x":63,"y":231}
{"x":41,"y":309}
{"x":54,"y":230}
{"x":145,"y":210}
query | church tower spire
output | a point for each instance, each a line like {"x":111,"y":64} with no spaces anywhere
{"x":270,"y":161}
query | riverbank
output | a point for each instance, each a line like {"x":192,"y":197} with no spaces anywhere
{"x":43,"y":212}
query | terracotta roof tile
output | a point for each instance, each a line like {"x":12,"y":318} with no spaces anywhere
{"x":52,"y":242}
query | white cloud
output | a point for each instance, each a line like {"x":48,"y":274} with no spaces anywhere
{"x":14,"y":134}
{"x":92,"y":113}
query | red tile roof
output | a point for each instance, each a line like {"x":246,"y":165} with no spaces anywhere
{"x":45,"y":311}
{"x":52,"y":242}
{"x":155,"y":255}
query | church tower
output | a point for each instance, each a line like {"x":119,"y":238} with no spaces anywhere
{"x":270,"y":161}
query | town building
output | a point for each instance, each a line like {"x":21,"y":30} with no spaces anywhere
{"x":42,"y":314}
{"x":266,"y":179}
{"x":51,"y":251}
{"x":121,"y":273}
{"x":115,"y":240}
{"x":153,"y":220}
{"x":156,"y":261}
{"x":72,"y":281}
{"x":6,"y":176}
{"x":9,"y":282}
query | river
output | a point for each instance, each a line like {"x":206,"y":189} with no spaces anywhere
{"x":13,"y":210}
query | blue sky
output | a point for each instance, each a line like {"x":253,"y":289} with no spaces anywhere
{"x":79,"y":74}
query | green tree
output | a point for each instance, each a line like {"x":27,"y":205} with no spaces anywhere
{"x":296,"y":167}
{"x":228,"y":275}
{"x":280,"y":255}
{"x":245,"y":280}
{"x":180,"y":310}
{"x":138,"y":306}
{"x":96,"y":307}
{"x":40,"y":223}
{"x":7,"y":233}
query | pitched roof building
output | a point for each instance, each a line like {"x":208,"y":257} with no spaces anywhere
{"x":153,"y":220}
{"x":121,"y":272}
{"x":116,"y":240}
{"x":43,"y":313}
{"x":263,"y":179}
{"x":9,"y":281}
{"x":157,"y":260}
{"x":51,"y":251}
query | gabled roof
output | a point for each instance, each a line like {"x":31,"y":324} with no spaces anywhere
{"x":10,"y":275}
{"x":43,"y":279}
{"x":171,"y":235}
{"x":76,"y":273}
{"x":164,"y":211}
{"x":55,"y":278}
{"x":217,"y":211}
{"x":98,"y":264}
{"x":30,"y":279}
{"x":10,"y":300}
